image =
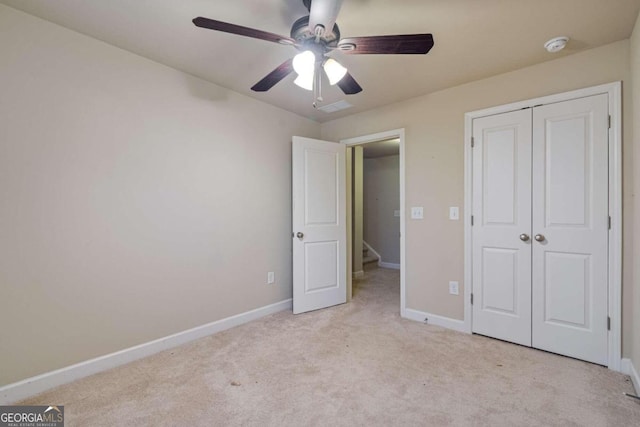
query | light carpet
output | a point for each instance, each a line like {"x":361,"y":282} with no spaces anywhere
{"x":355,"y":364}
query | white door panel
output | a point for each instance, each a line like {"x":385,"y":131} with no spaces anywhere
{"x":319,"y":215}
{"x":500,"y":270}
{"x":570,"y":199}
{"x":502,"y":212}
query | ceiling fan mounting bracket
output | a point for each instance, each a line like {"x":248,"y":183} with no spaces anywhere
{"x":302,"y":34}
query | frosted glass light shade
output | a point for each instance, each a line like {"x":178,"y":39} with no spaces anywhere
{"x":305,"y":81}
{"x":304,"y":63}
{"x":335,"y":71}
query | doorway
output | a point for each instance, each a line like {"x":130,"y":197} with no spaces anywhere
{"x":375,"y":224}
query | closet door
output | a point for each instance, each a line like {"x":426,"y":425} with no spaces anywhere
{"x":570,"y":225}
{"x":502,"y":226}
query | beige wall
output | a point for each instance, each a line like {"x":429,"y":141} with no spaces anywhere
{"x":634,"y":327}
{"x":381,"y":199}
{"x":137,"y":201}
{"x":435,"y":166}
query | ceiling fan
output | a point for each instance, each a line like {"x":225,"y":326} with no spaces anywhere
{"x":316,"y":36}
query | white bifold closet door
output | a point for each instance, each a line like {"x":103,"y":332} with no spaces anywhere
{"x":571,"y":220}
{"x":540,"y":233}
{"x":502,"y":211}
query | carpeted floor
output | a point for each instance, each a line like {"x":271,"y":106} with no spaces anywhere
{"x":355,"y":364}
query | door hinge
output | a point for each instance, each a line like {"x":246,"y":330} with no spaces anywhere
{"x":609,"y":222}
{"x":608,"y":323}
{"x":473,"y":143}
{"x":609,"y":121}
{"x":471,"y":298}
{"x":472,"y":220}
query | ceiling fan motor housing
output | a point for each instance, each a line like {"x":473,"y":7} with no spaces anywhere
{"x":304,"y":35}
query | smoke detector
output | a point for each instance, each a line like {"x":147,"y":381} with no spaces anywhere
{"x":556,"y":44}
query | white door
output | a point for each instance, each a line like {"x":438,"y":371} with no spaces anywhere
{"x":540,"y":233}
{"x":501,"y":214}
{"x":570,"y":222}
{"x":319,"y":224}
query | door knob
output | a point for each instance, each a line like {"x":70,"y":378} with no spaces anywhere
{"x":299,"y":235}
{"x":539,"y":238}
{"x":524,"y":237}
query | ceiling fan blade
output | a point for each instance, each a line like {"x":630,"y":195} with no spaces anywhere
{"x":271,"y":79}
{"x":212,"y":24}
{"x":324,"y":12}
{"x":349,"y":85}
{"x":401,"y":44}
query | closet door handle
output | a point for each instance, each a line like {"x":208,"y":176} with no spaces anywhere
{"x":524,"y":237}
{"x":539,"y":238}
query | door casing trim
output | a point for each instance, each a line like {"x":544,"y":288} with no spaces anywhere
{"x":614,"y":92}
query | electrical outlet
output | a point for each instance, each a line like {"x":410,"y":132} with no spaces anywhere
{"x":453,"y":288}
{"x":271,"y":277}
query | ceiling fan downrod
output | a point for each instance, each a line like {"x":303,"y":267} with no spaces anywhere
{"x":319,"y":32}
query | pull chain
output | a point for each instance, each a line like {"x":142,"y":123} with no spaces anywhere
{"x":317,"y":85}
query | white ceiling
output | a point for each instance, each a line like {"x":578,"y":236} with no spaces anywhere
{"x":473,"y":39}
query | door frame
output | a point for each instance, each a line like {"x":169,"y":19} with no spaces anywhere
{"x":359,"y":140}
{"x":614,"y":91}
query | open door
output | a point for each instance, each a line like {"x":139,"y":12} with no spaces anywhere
{"x":319,"y":224}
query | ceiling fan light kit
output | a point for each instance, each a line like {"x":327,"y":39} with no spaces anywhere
{"x":304,"y":64}
{"x":310,"y":36}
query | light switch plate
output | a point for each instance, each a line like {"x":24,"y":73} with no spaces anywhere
{"x":417,"y":212}
{"x":271,"y":277}
{"x":454,"y":288}
{"x":396,"y":213}
{"x":454,"y":213}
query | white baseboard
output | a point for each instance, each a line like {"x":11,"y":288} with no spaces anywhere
{"x":388,"y":265}
{"x":31,"y":386}
{"x":434,"y":319}
{"x":358,"y":274}
{"x":626,"y":367}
